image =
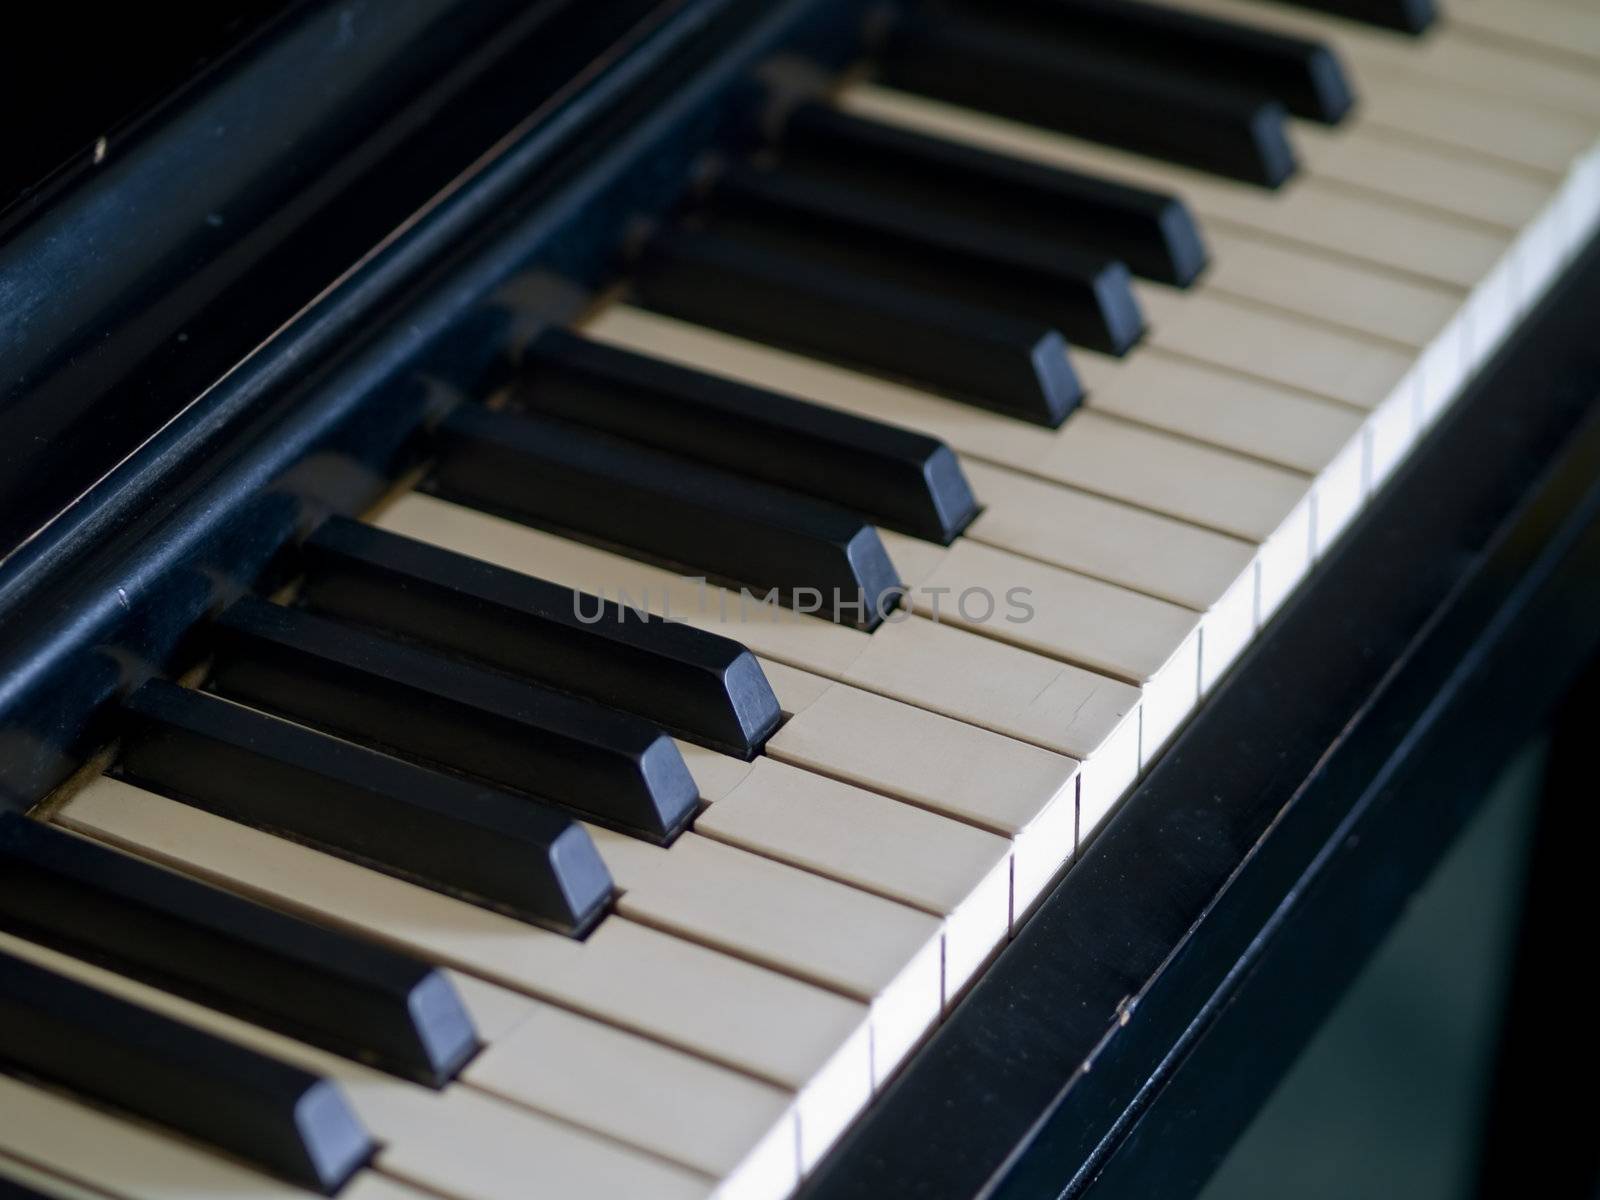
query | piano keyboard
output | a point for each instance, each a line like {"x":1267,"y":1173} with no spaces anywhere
{"x":459,"y":876}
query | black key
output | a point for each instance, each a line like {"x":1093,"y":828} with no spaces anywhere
{"x":1305,"y":76}
{"x":899,"y":478}
{"x":1088,"y":297}
{"x":1406,"y":16}
{"x":11,"y":1190}
{"x":1090,"y":93}
{"x":1154,"y":233}
{"x":817,"y":557}
{"x":452,"y":835}
{"x":325,"y":988}
{"x":277,"y":1117}
{"x":969,"y":353}
{"x":610,"y":766}
{"x":706,"y":687}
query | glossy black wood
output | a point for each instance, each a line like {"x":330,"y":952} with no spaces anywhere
{"x":1154,"y":233}
{"x":322,"y":415}
{"x":1117,"y":1048}
{"x":1103,"y":95}
{"x":1405,"y":16}
{"x":418,"y":703}
{"x":1305,"y":76}
{"x":706,"y":687}
{"x":990,"y":359}
{"x":1087,"y":296}
{"x":139,"y":280}
{"x":708,"y":522}
{"x":353,"y":997}
{"x":493,"y":848}
{"x":899,"y":478}
{"x":277,"y":1117}
{"x":1554,"y":918}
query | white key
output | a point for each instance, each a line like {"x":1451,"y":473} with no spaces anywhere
{"x":887,"y":955}
{"x":1208,"y":404}
{"x":1305,"y":211}
{"x":120,"y":1158}
{"x":958,"y":873}
{"x":1331,"y":290}
{"x":1379,"y":161}
{"x":799,"y":1037}
{"x":455,"y":1140}
{"x":1018,"y":791}
{"x":1378,"y":378}
{"x":1247,"y":499}
{"x":1150,"y":643}
{"x":1491,"y":127}
{"x":1560,"y":31}
{"x":1447,"y":54}
{"x":738,"y":1130}
{"x":1055,"y":705}
{"x":1211,"y":574}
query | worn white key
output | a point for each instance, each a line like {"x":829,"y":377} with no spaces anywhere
{"x":956,"y":872}
{"x":1055,"y":705}
{"x":738,"y":1130}
{"x":1015,"y":790}
{"x":1492,"y":127}
{"x":1380,"y":161}
{"x":805,"y":1039}
{"x":1116,"y":459}
{"x":1150,"y":643}
{"x":1560,"y":31}
{"x":456,"y":1140}
{"x":1209,"y":573}
{"x":1331,"y":290}
{"x":884,"y":954}
{"x":1376,"y":377}
{"x":120,"y":1158}
{"x":1221,"y":408}
{"x":1447,"y":54}
{"x":1305,"y":211}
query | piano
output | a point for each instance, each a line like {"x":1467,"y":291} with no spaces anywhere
{"x":810,"y":598}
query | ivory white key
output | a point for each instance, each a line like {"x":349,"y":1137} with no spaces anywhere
{"x":958,"y":873}
{"x":1147,"y":642}
{"x":1380,"y":378}
{"x":1378,"y":160}
{"x":1331,"y":290}
{"x":1491,"y":127}
{"x":802,"y":1038}
{"x":1548,"y":27}
{"x":1109,"y":541}
{"x":1216,"y":576}
{"x":1319,"y":438}
{"x":1499,"y":271}
{"x":457,"y":1141}
{"x":886,"y":955}
{"x":131,"y":1161}
{"x":738,"y":1130}
{"x":1018,"y":791}
{"x":1055,"y":705}
{"x":1125,"y":462}
{"x":1448,"y":54}
{"x":1304,"y":211}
